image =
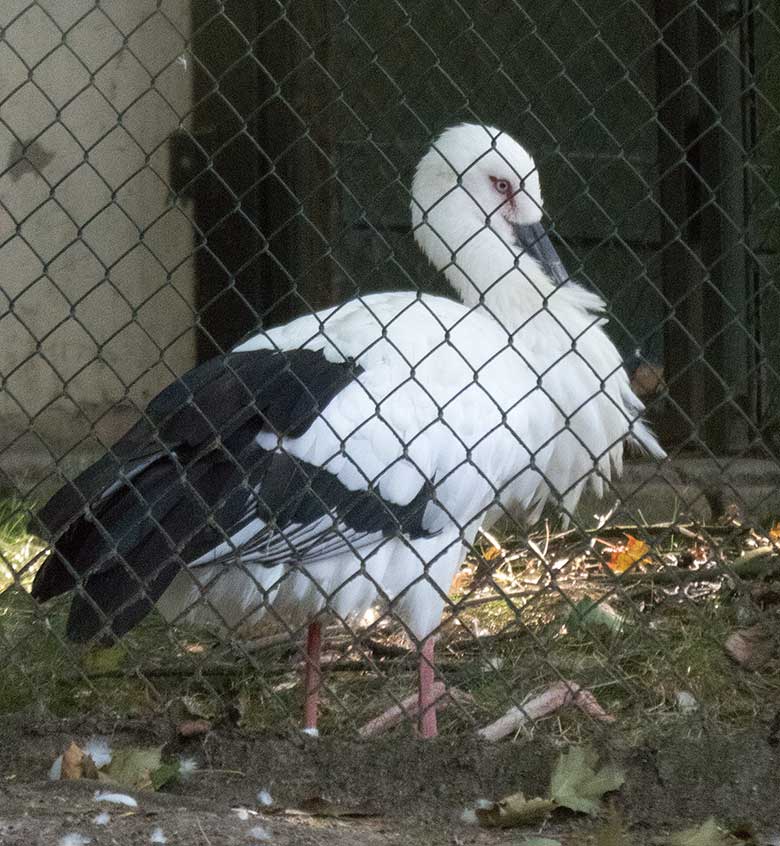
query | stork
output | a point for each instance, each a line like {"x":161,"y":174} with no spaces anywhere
{"x":347,"y":459}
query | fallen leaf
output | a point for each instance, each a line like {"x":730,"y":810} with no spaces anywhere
{"x":774,"y":532}
{"x":134,"y":767}
{"x":461,"y":580}
{"x":576,"y":785}
{"x":72,"y":759}
{"x":75,"y":763}
{"x":492,"y":552}
{"x":88,"y":768}
{"x":164,"y":774}
{"x":626,"y":555}
{"x":706,"y":834}
{"x":514,"y":810}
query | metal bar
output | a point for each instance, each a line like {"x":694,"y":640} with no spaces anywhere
{"x":676,"y":56}
{"x":723,"y":226}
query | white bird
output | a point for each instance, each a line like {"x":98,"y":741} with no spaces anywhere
{"x":347,"y":459}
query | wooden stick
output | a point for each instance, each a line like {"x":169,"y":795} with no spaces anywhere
{"x":555,"y":697}
{"x":409,"y":709}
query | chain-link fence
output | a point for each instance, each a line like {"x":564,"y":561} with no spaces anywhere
{"x":179,"y":176}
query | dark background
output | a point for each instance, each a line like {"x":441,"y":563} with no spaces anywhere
{"x":653,"y":125}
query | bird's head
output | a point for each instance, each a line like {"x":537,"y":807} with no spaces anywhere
{"x":474,"y":178}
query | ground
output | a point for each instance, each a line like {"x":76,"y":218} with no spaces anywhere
{"x":695,"y":722}
{"x":403,"y":790}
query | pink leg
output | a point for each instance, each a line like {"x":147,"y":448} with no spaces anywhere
{"x":427,"y":711}
{"x":311,"y":677}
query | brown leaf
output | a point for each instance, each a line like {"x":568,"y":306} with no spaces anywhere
{"x":462,"y":580}
{"x":88,"y":768}
{"x":72,"y":759}
{"x":134,"y":767}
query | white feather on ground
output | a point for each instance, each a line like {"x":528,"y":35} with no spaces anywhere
{"x":74,"y":838}
{"x":115,"y":798}
{"x":99,"y":750}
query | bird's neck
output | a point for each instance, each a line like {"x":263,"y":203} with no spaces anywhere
{"x":513,"y":289}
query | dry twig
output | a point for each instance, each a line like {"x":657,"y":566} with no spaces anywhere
{"x":555,"y":697}
{"x":409,"y":708}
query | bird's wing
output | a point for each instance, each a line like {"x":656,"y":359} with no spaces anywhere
{"x":201,"y":479}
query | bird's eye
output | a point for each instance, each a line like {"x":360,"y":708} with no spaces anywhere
{"x":503,"y":186}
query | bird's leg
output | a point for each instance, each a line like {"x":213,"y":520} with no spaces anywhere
{"x":311,"y":677}
{"x":426,"y":725}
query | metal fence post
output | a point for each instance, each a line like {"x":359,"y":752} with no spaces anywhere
{"x":723,"y":227}
{"x":676,"y":56}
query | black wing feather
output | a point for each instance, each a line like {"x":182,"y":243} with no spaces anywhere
{"x":207,"y":405}
{"x":190,"y":475}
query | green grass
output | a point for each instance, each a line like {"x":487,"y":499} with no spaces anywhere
{"x":14,"y":520}
{"x":17,"y":546}
{"x":669,"y":643}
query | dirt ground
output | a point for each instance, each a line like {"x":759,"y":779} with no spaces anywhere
{"x":414,"y":792}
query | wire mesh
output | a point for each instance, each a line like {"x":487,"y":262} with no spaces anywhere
{"x":179,"y":177}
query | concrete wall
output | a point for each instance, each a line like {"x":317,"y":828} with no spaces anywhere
{"x":96,"y":281}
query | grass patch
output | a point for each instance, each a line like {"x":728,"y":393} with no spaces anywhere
{"x":505,"y":638}
{"x":17,"y":546}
